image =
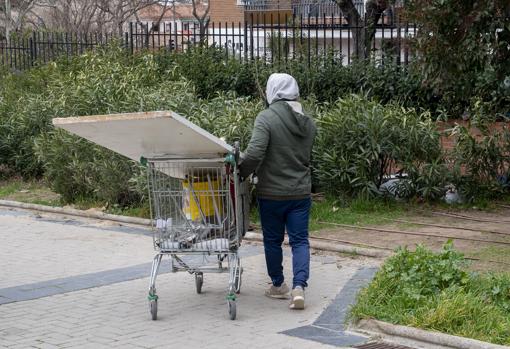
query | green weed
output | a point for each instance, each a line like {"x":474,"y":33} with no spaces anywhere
{"x":435,"y":291}
{"x":355,"y":212}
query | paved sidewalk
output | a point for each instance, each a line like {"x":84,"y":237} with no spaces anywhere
{"x":108,"y":305}
{"x":35,"y":249}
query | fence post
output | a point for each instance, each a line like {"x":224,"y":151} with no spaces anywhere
{"x":309,"y":48}
{"x":399,"y":42}
{"x":147,"y":36}
{"x":251,"y":38}
{"x":406,"y":44}
{"x":131,"y":43}
{"x":31,"y":43}
{"x":245,"y":39}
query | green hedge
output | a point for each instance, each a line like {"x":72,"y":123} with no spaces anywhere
{"x":326,"y":79}
{"x":360,"y":141}
{"x":359,"y":137}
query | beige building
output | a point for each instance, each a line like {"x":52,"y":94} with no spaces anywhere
{"x":226,"y":11}
{"x":264,"y":10}
{"x":244,"y":10}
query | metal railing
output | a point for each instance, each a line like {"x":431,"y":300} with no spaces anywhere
{"x":321,"y":7}
{"x":264,"y":5}
{"x":300,"y":7}
{"x":260,"y":37}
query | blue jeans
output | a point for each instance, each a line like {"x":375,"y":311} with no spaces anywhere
{"x":275,"y":216}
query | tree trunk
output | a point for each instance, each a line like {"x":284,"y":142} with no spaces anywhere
{"x":374,"y":11}
{"x":203,"y":20}
{"x":8,"y":21}
{"x":120,"y":29}
{"x":363,"y":29}
{"x":354,"y":19}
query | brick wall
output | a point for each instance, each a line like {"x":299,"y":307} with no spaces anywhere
{"x":225,"y":11}
{"x":448,"y":141}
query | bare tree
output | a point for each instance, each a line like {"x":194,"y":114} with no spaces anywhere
{"x":84,"y":15}
{"x":364,"y":27}
{"x":14,"y":14}
{"x":118,"y":12}
{"x":203,"y":18}
{"x":7,"y":19}
{"x":75,"y":15}
{"x":163,"y":11}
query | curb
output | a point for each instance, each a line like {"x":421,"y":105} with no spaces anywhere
{"x":319,"y":245}
{"x":75,"y":212}
{"x":331,"y":247}
{"x":423,"y":337}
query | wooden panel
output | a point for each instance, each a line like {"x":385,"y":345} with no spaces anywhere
{"x":149,"y":134}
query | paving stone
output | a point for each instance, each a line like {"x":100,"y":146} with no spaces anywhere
{"x":113,"y":311}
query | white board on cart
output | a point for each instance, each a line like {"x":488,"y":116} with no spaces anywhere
{"x":157,"y":134}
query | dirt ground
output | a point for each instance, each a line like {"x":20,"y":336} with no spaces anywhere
{"x":492,"y":252}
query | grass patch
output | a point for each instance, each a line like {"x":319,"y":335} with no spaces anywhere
{"x":356,"y":212}
{"x":38,"y":192}
{"x":135,"y":211}
{"x":482,"y":204}
{"x":141,"y":211}
{"x":33,"y":192}
{"x":435,"y":291}
{"x":496,"y":253}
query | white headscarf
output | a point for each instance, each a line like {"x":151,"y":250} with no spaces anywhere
{"x":281,"y":86}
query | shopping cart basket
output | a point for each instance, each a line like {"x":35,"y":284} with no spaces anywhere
{"x":199,"y":207}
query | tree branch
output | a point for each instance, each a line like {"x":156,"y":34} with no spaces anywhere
{"x":349,"y":11}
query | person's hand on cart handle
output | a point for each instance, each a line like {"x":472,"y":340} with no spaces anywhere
{"x":230,"y":159}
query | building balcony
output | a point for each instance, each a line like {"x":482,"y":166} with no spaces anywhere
{"x":264,"y":5}
{"x":302,"y":8}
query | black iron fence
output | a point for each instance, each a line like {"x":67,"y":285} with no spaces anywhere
{"x":272,"y":38}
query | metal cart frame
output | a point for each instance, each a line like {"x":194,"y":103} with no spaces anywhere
{"x":199,"y":207}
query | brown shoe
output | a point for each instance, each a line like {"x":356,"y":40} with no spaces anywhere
{"x":280,"y":292}
{"x":297,"y":298}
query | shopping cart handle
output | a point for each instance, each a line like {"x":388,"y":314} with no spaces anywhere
{"x":237,"y":152}
{"x":230,"y":159}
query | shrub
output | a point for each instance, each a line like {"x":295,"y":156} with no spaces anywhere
{"x":434,"y":291}
{"x":77,"y":169}
{"x":210,"y":72}
{"x":481,"y":164}
{"x":100,"y":82}
{"x":476,"y":39}
{"x":226,"y":116}
{"x":22,"y":116}
{"x":360,"y":141}
{"x":407,"y":280}
{"x":323,"y":77}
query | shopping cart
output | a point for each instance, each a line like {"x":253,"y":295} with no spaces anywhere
{"x":198,"y":203}
{"x":199,"y":207}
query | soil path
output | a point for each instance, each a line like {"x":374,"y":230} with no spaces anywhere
{"x":492,"y":226}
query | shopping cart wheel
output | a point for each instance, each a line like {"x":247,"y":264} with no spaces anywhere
{"x":199,"y":281}
{"x":232,"y":309}
{"x":153,"y":304}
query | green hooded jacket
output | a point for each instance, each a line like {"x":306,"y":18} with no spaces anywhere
{"x":279,"y":152}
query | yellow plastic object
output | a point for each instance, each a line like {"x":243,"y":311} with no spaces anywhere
{"x":202,"y":198}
